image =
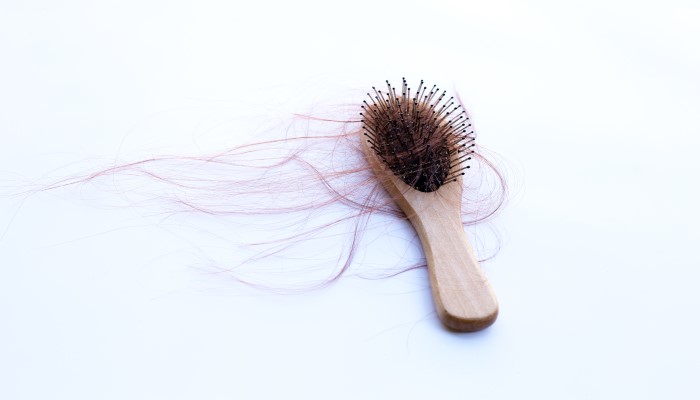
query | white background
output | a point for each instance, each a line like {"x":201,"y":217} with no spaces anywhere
{"x":594,"y":105}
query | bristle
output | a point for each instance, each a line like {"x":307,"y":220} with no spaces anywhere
{"x":424,"y":140}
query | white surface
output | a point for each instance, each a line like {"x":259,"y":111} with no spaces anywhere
{"x":594,"y":105}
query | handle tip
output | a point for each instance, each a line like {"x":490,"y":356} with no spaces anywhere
{"x":472,"y":323}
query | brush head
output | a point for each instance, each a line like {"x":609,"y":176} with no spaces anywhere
{"x":424,"y":138}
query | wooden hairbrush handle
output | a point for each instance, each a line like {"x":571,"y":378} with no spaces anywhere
{"x":463,"y":298}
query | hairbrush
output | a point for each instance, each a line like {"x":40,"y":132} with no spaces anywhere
{"x":418,"y":146}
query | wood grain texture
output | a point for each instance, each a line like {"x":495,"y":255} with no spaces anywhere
{"x":464,"y":300}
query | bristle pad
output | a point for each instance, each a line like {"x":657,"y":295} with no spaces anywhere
{"x":422,"y":137}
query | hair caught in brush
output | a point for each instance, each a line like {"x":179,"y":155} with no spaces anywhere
{"x":285,"y":193}
{"x":422,"y":138}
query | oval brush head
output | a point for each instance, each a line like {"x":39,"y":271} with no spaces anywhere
{"x":417,"y":145}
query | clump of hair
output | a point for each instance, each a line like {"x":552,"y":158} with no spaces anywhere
{"x":313,"y":184}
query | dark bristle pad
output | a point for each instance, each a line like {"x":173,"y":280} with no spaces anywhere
{"x":423,"y":139}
